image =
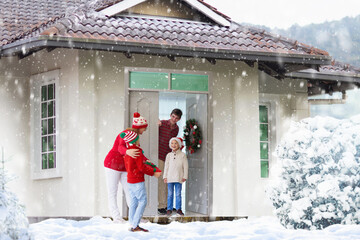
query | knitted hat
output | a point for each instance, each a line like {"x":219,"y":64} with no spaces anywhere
{"x":129,"y":137}
{"x":179,"y":140}
{"x":139,"y":121}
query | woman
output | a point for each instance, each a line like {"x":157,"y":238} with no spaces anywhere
{"x":115,"y":167}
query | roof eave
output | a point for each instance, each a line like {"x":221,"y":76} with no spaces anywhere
{"x":119,"y":7}
{"x":208,"y":12}
{"x":24,"y":47}
{"x":325,"y":76}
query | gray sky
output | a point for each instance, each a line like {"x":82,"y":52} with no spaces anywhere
{"x":284,"y":13}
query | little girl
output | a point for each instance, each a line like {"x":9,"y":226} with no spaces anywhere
{"x":136,"y":168}
{"x":175,"y":173}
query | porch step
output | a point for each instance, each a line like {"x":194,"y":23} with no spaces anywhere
{"x":160,"y":219}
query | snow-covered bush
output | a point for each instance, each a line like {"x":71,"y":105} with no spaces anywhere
{"x":318,"y":182}
{"x":13,"y":221}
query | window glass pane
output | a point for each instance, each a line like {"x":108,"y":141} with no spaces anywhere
{"x":264,"y":150}
{"x":51,"y":160}
{"x":264,"y":169}
{"x":51,"y":108}
{"x":51,"y":89}
{"x":44,"y":110}
{"x":44,"y":144}
{"x":51,"y":125}
{"x":44,"y":127}
{"x":44,"y":161}
{"x":263,"y":114}
{"x":189,"y":82}
{"x":263,"y":132}
{"x":148,"y":80}
{"x":43,"y":93}
{"x":51,"y":143}
{"x":48,"y":129}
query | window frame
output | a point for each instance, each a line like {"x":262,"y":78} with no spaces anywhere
{"x":36,"y":83}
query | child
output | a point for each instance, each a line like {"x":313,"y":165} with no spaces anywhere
{"x":115,"y":171}
{"x":175,"y":173}
{"x":136,"y":168}
{"x":167,"y":130}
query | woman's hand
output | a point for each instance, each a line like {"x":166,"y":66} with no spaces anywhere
{"x":133,"y":152}
{"x":157,"y":174}
{"x":165,"y":180}
{"x":183,"y":180}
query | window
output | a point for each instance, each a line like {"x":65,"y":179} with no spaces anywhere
{"x":45,"y":160}
{"x":160,"y":81}
{"x":48,"y":126}
{"x":264,"y":140}
{"x":148,"y":80}
{"x":189,"y":82}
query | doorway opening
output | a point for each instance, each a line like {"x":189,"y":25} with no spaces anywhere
{"x":155,"y":94}
{"x":167,"y":102}
{"x":193,"y":105}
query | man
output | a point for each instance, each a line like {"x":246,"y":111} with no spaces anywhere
{"x":167,"y":130}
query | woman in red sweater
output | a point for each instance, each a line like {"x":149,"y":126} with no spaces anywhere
{"x":115,"y":168}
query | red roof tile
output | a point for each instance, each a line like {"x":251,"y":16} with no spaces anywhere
{"x":59,"y":18}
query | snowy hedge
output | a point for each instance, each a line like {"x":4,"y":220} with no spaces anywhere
{"x":318,"y":181}
{"x":13,"y":221}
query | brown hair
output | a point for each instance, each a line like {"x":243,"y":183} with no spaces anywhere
{"x":177,"y":112}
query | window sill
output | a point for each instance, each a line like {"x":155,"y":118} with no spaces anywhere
{"x":46,"y":174}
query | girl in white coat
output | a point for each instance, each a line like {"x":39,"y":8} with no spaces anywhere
{"x":175,"y":173}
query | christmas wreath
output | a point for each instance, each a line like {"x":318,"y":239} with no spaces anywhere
{"x":192,"y":136}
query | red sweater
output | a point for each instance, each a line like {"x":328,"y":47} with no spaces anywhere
{"x":136,"y":167}
{"x":165,"y":134}
{"x":115,"y":158}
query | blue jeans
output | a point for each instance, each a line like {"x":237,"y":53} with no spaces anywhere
{"x":170,"y":198}
{"x":138,"y":202}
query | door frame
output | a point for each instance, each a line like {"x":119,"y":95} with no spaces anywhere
{"x":127,"y":90}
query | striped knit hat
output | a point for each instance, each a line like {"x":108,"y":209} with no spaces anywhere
{"x":129,"y":137}
{"x":139,"y":121}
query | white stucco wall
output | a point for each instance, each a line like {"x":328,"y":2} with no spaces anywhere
{"x":92,"y":101}
{"x":111,"y":109}
{"x":110,"y":117}
{"x":287,"y":101}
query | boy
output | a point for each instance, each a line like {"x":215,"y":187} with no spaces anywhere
{"x":175,"y":173}
{"x":167,"y":130}
{"x":136,"y":169}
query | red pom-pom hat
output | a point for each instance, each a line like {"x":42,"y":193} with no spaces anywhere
{"x":139,"y":121}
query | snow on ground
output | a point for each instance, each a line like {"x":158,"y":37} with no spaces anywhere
{"x":263,"y":228}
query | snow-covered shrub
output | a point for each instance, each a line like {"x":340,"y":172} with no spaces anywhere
{"x":318,"y":182}
{"x":13,"y":221}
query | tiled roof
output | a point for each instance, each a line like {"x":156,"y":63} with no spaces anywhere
{"x":330,"y":75}
{"x":340,"y":68}
{"x":20,"y":16}
{"x":85,"y":23}
{"x":335,"y":68}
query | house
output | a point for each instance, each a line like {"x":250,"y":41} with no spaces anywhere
{"x":73,"y":72}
